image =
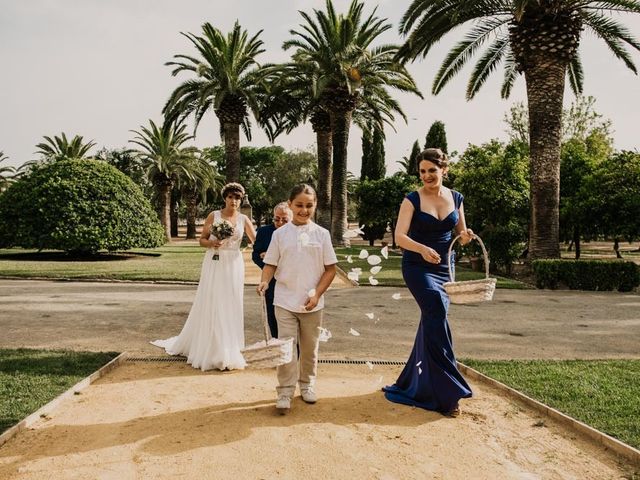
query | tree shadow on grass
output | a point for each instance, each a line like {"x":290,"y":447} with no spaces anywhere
{"x":57,"y":256}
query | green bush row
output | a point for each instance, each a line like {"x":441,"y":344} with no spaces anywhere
{"x":587,"y":274}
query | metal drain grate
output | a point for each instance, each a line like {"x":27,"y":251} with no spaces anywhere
{"x":328,"y":361}
{"x":359,"y":362}
{"x":156,"y":359}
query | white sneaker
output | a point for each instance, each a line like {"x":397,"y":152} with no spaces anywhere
{"x":308,"y":395}
{"x":283,"y":404}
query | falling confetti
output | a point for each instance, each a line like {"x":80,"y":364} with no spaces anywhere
{"x":312,"y":293}
{"x":349,"y":259}
{"x":353,"y":275}
{"x":385,"y":252}
{"x":373,"y":281}
{"x":377,"y":320}
{"x":419,"y":371}
{"x":370,"y":316}
{"x":325,"y":334}
{"x":375,"y":270}
{"x":419,"y":363}
{"x":380,"y":380}
{"x":363,"y":254}
{"x":369,"y":364}
{"x":396,"y":296}
{"x":373,"y":259}
{"x":354,"y":332}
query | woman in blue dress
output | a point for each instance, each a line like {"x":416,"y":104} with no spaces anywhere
{"x":427,"y":217}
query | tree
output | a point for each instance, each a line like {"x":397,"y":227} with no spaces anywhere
{"x":128,"y":162}
{"x":367,"y":149}
{"x":379,"y":202}
{"x":201,"y":179}
{"x":437,"y":137}
{"x":410,"y":163}
{"x":6,"y":173}
{"x":60,"y":148}
{"x":340,"y":46}
{"x":539,"y":39}
{"x":165,"y":157}
{"x":493,"y":179}
{"x":612,"y":197}
{"x":79,"y":206}
{"x":226,"y":82}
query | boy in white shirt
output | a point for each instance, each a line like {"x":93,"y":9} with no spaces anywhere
{"x":302,"y":259}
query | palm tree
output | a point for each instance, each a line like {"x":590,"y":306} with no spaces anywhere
{"x":225,"y":71}
{"x":165,"y":158}
{"x":60,"y":148}
{"x":6,"y":173}
{"x":194,"y":187}
{"x":540,"y":39}
{"x":339,"y":49}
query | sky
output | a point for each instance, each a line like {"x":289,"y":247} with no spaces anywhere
{"x":96,"y":68}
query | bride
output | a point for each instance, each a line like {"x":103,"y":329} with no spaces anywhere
{"x":213,"y":334}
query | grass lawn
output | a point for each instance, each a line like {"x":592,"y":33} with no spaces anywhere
{"x":182,"y":263}
{"x":171,"y":263}
{"x":391,"y":274}
{"x":30,"y":379}
{"x":604,"y":394}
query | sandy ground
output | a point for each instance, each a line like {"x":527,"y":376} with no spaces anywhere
{"x":151,"y":420}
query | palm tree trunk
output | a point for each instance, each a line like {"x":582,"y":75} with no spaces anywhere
{"x":325,"y":149}
{"x":545,"y":90}
{"x":192,"y":206}
{"x":164,"y":190}
{"x":232,"y":151}
{"x":340,"y":124}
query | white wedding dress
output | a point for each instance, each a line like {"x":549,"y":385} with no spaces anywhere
{"x":213,"y":334}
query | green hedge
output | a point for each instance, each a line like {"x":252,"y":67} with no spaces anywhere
{"x":587,"y":274}
{"x":79,"y":206}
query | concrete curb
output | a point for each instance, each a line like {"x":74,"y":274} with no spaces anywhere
{"x":28,"y":421}
{"x":345,"y":277}
{"x":607,"y":442}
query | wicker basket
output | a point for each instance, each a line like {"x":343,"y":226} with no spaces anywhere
{"x":269,"y":352}
{"x":470,"y":291}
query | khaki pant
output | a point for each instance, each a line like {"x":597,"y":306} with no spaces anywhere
{"x":304,"y":328}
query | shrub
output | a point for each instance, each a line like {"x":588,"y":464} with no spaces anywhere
{"x":80,"y":206}
{"x":587,"y":274}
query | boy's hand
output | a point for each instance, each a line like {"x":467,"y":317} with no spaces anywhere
{"x":311,"y":303}
{"x":262,"y":288}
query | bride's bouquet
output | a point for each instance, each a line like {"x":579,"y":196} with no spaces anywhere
{"x":222,"y":230}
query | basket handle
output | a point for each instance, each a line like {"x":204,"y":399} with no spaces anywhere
{"x":265,"y":324}
{"x":484,"y":253}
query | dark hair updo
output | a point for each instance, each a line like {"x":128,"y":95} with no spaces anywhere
{"x":232,"y":187}
{"x":433,"y":155}
{"x":302,"y":188}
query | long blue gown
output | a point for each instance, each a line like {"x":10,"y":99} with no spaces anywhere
{"x":430,"y":378}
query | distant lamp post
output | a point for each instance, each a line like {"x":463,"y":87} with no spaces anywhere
{"x":246,"y":207}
